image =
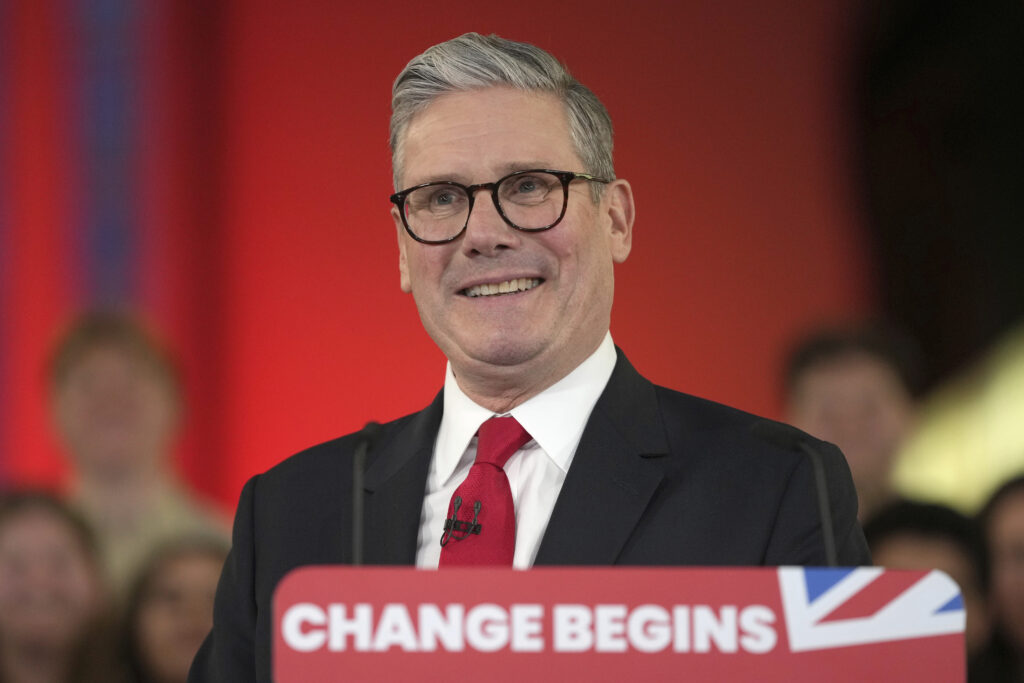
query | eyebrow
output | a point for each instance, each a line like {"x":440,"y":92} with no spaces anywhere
{"x":526,"y":166}
{"x":505,"y":170}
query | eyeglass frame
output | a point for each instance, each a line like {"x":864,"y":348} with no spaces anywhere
{"x":566,"y":177}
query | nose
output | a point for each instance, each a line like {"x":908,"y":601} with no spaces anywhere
{"x":487,"y":233}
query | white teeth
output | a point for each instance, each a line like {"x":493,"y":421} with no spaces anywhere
{"x":509,"y":286}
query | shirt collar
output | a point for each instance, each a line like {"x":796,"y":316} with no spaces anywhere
{"x":555,"y":418}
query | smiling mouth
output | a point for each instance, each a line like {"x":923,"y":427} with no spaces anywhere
{"x":507,"y":287}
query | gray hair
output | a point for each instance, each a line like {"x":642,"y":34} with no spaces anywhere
{"x":473,"y":61}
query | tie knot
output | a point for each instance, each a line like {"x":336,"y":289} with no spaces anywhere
{"x":500,"y":437}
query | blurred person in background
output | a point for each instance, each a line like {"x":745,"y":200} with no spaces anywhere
{"x":855,"y":388}
{"x":117,"y":408}
{"x":169,"y":609}
{"x":1002,"y":521}
{"x":52,"y":599}
{"x":913,"y":535}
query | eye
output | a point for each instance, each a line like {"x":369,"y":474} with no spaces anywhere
{"x":436,"y":200}
{"x":529,"y":189}
{"x":527,"y":185}
{"x":443,"y":197}
{"x":444,"y":200}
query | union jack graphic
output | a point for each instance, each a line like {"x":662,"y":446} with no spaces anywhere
{"x":827,"y":608}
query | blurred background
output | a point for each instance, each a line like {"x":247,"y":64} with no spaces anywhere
{"x":222,"y":170}
{"x":198,"y":273}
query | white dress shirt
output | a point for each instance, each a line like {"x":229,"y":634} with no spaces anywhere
{"x":555,"y":419}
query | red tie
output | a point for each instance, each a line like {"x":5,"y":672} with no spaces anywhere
{"x":481,"y":524}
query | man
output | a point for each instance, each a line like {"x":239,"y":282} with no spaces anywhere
{"x":855,"y":388}
{"x":509,"y":227}
{"x":116,"y":407}
{"x":912,"y":535}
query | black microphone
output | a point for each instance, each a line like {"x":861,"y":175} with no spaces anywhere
{"x":458,"y":529}
{"x":791,"y":438}
{"x":364,"y":442}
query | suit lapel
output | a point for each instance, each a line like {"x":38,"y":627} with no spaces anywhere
{"x":395,"y":482}
{"x":613,"y":475}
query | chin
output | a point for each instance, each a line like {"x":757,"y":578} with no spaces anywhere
{"x":502,"y":352}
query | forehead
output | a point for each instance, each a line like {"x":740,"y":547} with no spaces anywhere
{"x":473,"y":135}
{"x":36,"y":528}
{"x":851,"y":370}
{"x":914,"y":550}
{"x":118,"y":356}
{"x":188,"y":564}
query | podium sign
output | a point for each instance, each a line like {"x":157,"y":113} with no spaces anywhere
{"x":617,"y":624}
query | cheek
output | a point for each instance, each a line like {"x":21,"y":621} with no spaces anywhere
{"x":83,"y":592}
{"x":11,"y":592}
{"x":424,"y":268}
{"x":70,"y":409}
{"x":154,"y":625}
{"x":591,"y":272}
{"x":159,"y":411}
{"x":1009,"y":588}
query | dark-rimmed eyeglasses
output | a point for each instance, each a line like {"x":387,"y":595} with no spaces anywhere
{"x":531,"y":201}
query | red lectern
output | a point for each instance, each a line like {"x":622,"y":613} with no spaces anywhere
{"x":617,"y":624}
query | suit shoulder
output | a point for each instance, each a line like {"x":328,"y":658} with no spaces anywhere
{"x":700,"y":415}
{"x":704,"y":412}
{"x":704,"y":418}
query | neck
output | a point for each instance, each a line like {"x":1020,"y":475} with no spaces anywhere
{"x":498,"y":400}
{"x":502,"y":388}
{"x":119,"y":500}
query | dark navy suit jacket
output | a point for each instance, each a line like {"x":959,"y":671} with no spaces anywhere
{"x":659,"y":478}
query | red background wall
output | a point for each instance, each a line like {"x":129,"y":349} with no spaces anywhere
{"x":266,"y":255}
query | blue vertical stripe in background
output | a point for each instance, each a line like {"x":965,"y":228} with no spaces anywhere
{"x":108,"y":110}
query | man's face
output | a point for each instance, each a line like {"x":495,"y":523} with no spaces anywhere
{"x":531,"y":338}
{"x":914,"y":550}
{"x":858,"y":403}
{"x":115,"y":412}
{"x":49,"y":589}
{"x":176,"y":612}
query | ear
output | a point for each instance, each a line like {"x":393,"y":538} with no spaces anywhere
{"x":618,"y":197}
{"x":403,"y":263}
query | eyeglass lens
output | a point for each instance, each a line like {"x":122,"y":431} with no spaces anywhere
{"x":529,"y":201}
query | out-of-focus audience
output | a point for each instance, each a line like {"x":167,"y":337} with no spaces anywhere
{"x":170,"y":609}
{"x":53,"y":608}
{"x":1002,"y":521}
{"x":911,"y":535}
{"x":855,"y":387}
{"x":56,"y":622}
{"x":984,"y":555}
{"x":117,"y":407}
{"x":130,"y":526}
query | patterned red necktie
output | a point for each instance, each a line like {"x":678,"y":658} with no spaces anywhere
{"x":481,"y":524}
